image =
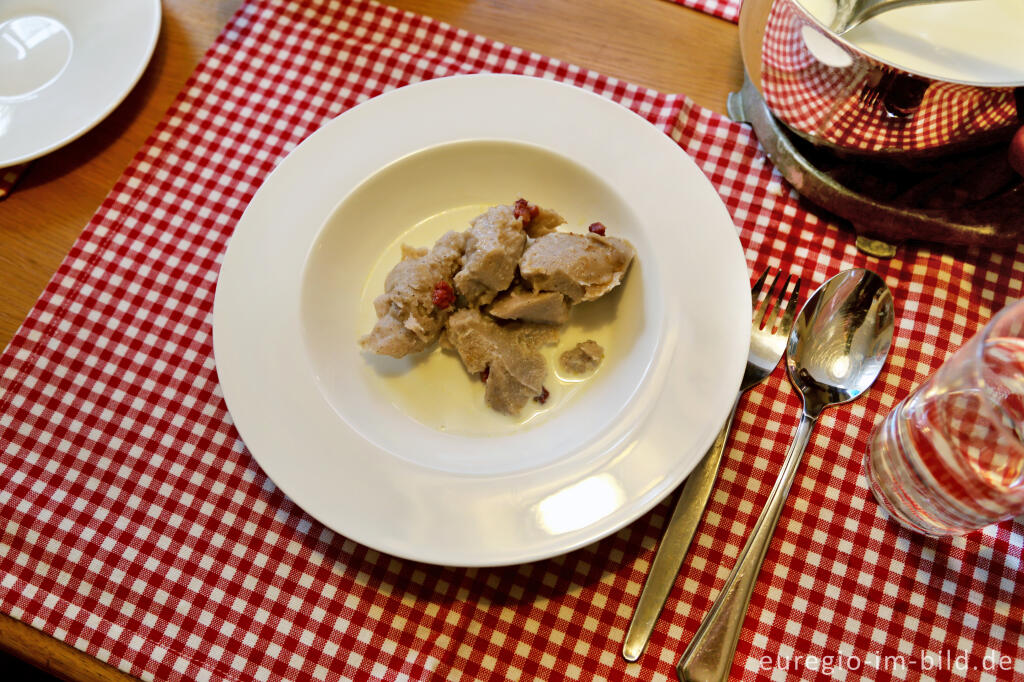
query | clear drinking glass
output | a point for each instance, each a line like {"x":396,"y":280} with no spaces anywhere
{"x":949,"y":459}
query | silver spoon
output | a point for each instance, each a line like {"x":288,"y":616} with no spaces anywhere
{"x":852,"y":13}
{"x":835,"y":352}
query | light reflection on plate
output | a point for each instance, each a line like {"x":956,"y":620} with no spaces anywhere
{"x":291,"y":302}
{"x":580,"y":504}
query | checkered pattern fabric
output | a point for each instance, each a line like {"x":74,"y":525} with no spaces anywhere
{"x":137,"y":528}
{"x":723,"y":9}
{"x":843,"y":100}
{"x":9,"y":178}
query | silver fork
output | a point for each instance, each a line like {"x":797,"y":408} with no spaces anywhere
{"x":772,"y":319}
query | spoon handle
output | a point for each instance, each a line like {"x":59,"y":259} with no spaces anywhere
{"x":710,"y":653}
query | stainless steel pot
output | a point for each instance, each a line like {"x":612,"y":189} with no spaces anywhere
{"x":832,"y":93}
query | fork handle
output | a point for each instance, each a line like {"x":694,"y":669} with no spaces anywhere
{"x":710,"y":653}
{"x":674,"y":543}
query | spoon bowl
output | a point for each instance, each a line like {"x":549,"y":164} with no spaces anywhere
{"x":835,"y":352}
{"x":840,"y":340}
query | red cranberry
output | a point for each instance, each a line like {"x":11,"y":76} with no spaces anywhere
{"x":597,"y":228}
{"x":443,"y":295}
{"x":543,"y":397}
{"x":524,"y":210}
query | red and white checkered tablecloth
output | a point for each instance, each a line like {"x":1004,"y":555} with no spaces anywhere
{"x":723,"y":9}
{"x":137,"y":528}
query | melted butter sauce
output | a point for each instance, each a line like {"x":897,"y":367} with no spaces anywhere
{"x":435,"y":389}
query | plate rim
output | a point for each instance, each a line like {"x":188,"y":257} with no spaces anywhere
{"x":228,"y":368}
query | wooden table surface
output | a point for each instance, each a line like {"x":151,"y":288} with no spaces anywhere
{"x":654,"y":43}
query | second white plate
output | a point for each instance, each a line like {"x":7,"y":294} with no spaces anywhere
{"x":66,"y":66}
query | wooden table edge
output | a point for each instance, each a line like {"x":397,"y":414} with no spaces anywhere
{"x":54,"y":656}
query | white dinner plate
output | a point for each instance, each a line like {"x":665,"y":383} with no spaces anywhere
{"x":65,"y":65}
{"x":402,"y":455}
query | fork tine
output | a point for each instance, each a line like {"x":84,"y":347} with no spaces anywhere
{"x":769,"y":305}
{"x":778,"y":304}
{"x":755,"y":291}
{"x":791,"y":306}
